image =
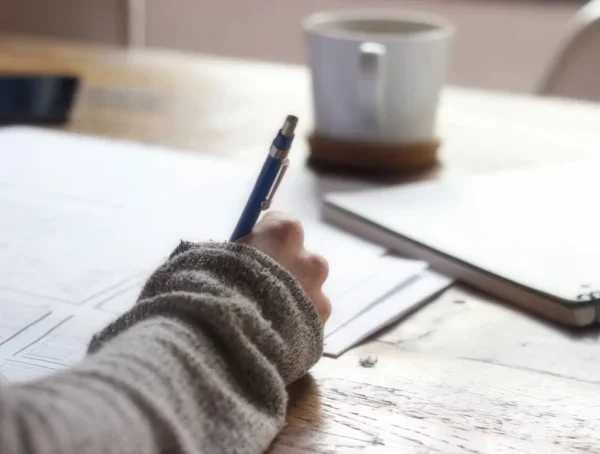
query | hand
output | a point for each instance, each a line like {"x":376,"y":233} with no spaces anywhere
{"x":282,"y":238}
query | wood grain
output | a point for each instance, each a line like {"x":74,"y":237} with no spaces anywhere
{"x":465,"y":374}
{"x":420,"y":402}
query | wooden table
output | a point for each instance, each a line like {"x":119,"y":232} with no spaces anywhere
{"x":466,"y":373}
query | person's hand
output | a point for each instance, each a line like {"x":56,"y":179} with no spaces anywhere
{"x":282,"y":238}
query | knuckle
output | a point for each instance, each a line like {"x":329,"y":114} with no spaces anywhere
{"x":325,"y":309}
{"x":288,"y":230}
{"x":319,"y":266}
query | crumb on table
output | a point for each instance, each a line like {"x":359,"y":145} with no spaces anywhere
{"x":368,"y":362}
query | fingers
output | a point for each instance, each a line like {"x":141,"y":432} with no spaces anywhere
{"x":322,"y":305}
{"x":282,"y":237}
{"x":284,"y":230}
{"x":278,"y":235}
{"x":311,"y":271}
{"x":312,"y":268}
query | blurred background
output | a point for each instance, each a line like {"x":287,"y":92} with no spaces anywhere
{"x":507,"y":45}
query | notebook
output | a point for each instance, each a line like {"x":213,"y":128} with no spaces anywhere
{"x":530,"y":237}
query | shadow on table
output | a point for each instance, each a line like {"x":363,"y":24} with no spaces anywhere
{"x":304,"y":404}
{"x":590,"y":333}
{"x":304,"y":417}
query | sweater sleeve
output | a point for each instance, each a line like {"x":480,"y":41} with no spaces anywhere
{"x":199,"y":365}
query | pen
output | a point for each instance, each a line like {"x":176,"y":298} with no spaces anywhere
{"x":268,"y":180}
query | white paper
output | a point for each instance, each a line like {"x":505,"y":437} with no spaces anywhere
{"x":365,"y":283}
{"x":351,"y":259}
{"x":16,"y":317}
{"x":123,"y":300}
{"x":66,"y":343}
{"x":386,"y":311}
{"x":15,"y":371}
{"x":41,"y":339}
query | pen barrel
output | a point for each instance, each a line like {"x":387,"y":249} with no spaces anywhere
{"x":259,"y":195}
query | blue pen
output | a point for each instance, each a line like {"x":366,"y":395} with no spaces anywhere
{"x":268,"y":180}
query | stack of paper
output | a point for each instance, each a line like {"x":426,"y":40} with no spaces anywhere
{"x":407,"y":297}
{"x":86,"y":220}
{"x":368,"y":289}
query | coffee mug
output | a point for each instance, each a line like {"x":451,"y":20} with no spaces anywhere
{"x":376,"y":74}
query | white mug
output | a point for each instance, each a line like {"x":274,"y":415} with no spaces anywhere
{"x":377,"y":74}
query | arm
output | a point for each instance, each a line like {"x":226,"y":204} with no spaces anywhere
{"x":200,"y":364}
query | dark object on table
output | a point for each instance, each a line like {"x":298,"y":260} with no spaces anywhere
{"x":368,"y":362}
{"x":36,"y":99}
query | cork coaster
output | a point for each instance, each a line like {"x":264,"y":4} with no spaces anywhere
{"x":373,"y":157}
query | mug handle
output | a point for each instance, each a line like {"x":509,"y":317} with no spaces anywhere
{"x":371,"y":84}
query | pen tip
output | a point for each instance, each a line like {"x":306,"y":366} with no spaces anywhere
{"x":289,"y":125}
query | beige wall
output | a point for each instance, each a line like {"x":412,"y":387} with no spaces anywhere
{"x":102,"y":21}
{"x":501,"y":44}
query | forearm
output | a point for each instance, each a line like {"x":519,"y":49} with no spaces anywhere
{"x":200,"y":365}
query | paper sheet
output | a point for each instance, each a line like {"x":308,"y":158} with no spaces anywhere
{"x":398,"y":304}
{"x":15,"y":317}
{"x":366,"y":284}
{"x":41,"y":339}
{"x":123,"y":299}
{"x":15,"y":371}
{"x":66,"y":343}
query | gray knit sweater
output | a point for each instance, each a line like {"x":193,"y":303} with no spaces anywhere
{"x":199,"y":365}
